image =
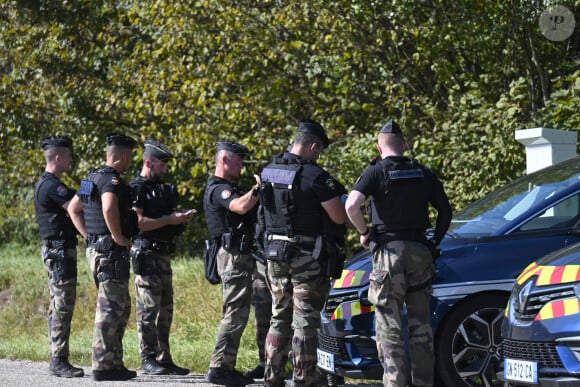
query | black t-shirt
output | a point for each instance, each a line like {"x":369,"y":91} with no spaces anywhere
{"x":156,"y":199}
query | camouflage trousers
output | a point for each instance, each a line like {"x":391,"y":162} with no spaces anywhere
{"x":401,"y":274}
{"x":235,"y":271}
{"x":262,"y":302}
{"x":154,"y":304}
{"x":61,"y":307}
{"x":111,"y":318}
{"x":298,"y":291}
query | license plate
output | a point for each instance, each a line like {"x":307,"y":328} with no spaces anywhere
{"x":520,"y":370}
{"x":325,"y":360}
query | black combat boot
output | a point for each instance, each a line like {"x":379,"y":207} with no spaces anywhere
{"x":119,"y":374}
{"x":59,"y":366}
{"x":150,"y":366}
{"x":223,"y":377}
{"x":175,"y":369}
{"x":256,"y":373}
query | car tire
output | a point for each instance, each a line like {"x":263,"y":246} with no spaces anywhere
{"x":467,"y":344}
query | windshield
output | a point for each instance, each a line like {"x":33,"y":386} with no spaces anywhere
{"x":490,"y":213}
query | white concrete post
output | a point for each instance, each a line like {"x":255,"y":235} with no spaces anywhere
{"x":545,"y":147}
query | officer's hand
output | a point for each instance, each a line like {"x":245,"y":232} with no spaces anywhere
{"x":184,"y":216}
{"x":258,"y":179}
{"x":364,"y":240}
{"x":122,"y":241}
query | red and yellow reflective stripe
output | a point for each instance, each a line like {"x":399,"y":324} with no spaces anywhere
{"x":351,"y":278}
{"x":350,"y":309}
{"x":529,"y":271}
{"x":550,"y":275}
{"x":559,"y":308}
{"x":571,"y":273}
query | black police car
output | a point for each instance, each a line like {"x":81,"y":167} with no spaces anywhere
{"x":487,"y":246}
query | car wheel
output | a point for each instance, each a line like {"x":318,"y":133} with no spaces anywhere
{"x":468,"y":343}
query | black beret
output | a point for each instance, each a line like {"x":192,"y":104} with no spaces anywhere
{"x":391,"y":127}
{"x":310,"y":126}
{"x":116,"y":139}
{"x":56,"y":142}
{"x":231,"y":146}
{"x":158,"y":150}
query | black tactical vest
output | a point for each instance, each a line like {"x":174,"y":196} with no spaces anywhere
{"x":404,"y":204}
{"x":279,"y":196}
{"x":220,"y":220}
{"x":53,"y":221}
{"x":158,"y":199}
{"x":91,"y":198}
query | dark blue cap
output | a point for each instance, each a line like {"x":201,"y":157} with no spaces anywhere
{"x":56,"y":142}
{"x":310,"y":126}
{"x":158,"y":150}
{"x":234,"y":147}
{"x":391,"y":127}
{"x":116,"y":139}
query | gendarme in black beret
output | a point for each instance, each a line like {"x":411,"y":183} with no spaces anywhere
{"x":56,"y":142}
{"x":391,"y":127}
{"x":158,"y":150}
{"x":231,"y":146}
{"x":310,"y":126}
{"x":116,"y":139}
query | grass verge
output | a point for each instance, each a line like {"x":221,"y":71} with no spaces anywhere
{"x":24,"y":305}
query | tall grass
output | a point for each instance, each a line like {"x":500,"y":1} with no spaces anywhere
{"x":24,"y":305}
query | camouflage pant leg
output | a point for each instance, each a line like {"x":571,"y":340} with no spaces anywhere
{"x":262,"y":301}
{"x":276,"y":358}
{"x":165,"y":318}
{"x":154,"y":305}
{"x":420,"y":337}
{"x":419,"y":271}
{"x":111,"y":317}
{"x":396,"y":266}
{"x":299,"y":291}
{"x":60,"y":309}
{"x":235,"y":271}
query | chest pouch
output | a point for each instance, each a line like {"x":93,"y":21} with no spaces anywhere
{"x":86,"y":189}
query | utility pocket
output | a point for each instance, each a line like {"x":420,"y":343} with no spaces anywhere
{"x":380,"y":287}
{"x":210,"y":262}
{"x":281,"y":251}
{"x":276,"y":250}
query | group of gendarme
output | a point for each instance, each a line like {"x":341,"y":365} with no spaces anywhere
{"x":275,"y":246}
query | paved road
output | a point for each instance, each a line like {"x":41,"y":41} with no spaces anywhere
{"x":35,"y":374}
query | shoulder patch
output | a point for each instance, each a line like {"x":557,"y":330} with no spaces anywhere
{"x":330,"y":184}
{"x":61,"y":190}
{"x":226,"y":193}
{"x":115,"y":180}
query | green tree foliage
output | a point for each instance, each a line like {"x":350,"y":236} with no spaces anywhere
{"x":460,"y":76}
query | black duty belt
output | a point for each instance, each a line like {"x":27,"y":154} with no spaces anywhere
{"x":161,"y":246}
{"x":294,"y":239}
{"x":415,"y":236}
{"x":93,"y":238}
{"x":52,"y":242}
